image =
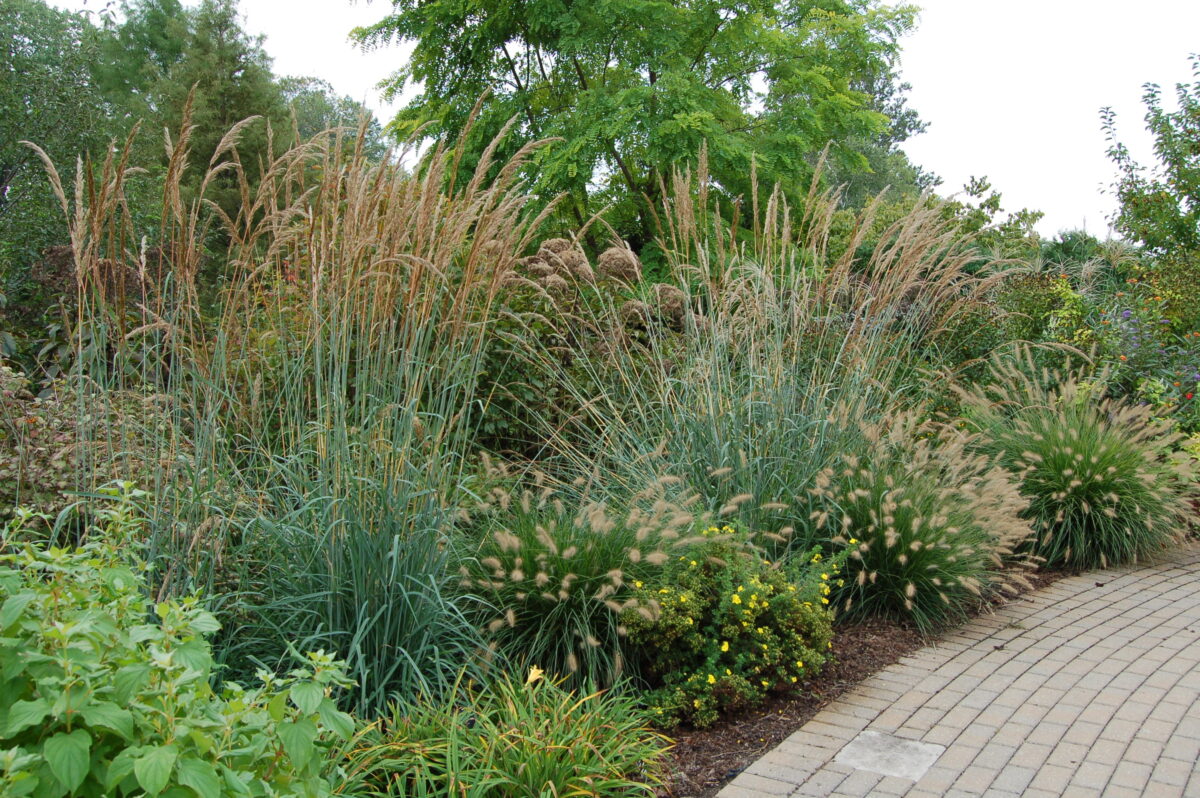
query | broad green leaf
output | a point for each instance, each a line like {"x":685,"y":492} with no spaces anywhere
{"x":128,"y":681}
{"x":140,"y":634}
{"x":335,"y":720}
{"x":68,"y":757}
{"x":200,"y":776}
{"x":307,"y":696}
{"x":109,"y":716}
{"x":195,"y":654}
{"x":297,"y":739}
{"x":13,"y":607}
{"x":120,"y":768}
{"x":277,"y":707}
{"x":24,"y":714}
{"x":233,"y":784}
{"x":205,"y":623}
{"x":153,"y":768}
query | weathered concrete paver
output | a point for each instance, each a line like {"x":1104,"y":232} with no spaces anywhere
{"x":1090,"y":686}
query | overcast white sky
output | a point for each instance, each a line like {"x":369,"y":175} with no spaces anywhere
{"x":1012,"y":89}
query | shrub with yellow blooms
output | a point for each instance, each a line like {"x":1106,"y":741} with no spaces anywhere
{"x":732,"y":627}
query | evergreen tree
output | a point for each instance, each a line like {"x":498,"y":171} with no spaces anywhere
{"x":230,"y":74}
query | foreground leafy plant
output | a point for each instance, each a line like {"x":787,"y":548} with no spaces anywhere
{"x":512,"y":739}
{"x":97,"y":700}
{"x":1102,"y":483}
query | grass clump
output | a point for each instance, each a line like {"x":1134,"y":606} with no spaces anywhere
{"x":732,"y":628}
{"x":512,"y":739}
{"x":930,"y":524}
{"x":1102,"y":484}
{"x":558,"y":567}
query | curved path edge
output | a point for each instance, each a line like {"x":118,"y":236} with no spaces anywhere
{"x":1090,"y":686}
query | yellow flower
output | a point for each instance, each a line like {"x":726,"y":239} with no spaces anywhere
{"x":824,"y":576}
{"x":637,"y":584}
{"x":816,"y":557}
{"x":724,"y":645}
{"x":712,"y":679}
{"x":736,"y":599}
{"x":535,"y":673}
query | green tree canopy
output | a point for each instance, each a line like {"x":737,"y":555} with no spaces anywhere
{"x":634,"y":87}
{"x":136,"y":53}
{"x":1160,"y":208}
{"x":46,"y":97}
{"x":317,"y":107}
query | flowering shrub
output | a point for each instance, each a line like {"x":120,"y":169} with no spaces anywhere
{"x":731,"y":628}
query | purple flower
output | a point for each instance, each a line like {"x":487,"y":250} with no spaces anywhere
{"x":1126,"y":314}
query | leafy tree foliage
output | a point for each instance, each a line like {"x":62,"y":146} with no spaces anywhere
{"x":136,"y":54}
{"x":634,"y":87}
{"x":46,"y":96}
{"x":887,"y":166}
{"x":1161,"y":208}
{"x":315,"y":107}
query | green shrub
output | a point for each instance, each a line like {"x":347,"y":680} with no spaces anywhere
{"x":558,"y":575}
{"x":97,"y":699}
{"x":512,"y":739}
{"x":930,"y":523}
{"x":1100,"y":477}
{"x":1029,"y":302}
{"x":731,"y":628}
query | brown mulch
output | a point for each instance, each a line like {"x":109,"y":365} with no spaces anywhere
{"x":703,"y":760}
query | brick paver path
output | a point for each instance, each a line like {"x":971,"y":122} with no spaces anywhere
{"x":1090,"y":686}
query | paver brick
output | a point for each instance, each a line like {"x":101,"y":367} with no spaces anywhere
{"x":1083,"y":688}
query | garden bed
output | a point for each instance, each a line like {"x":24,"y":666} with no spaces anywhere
{"x":704,"y":760}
